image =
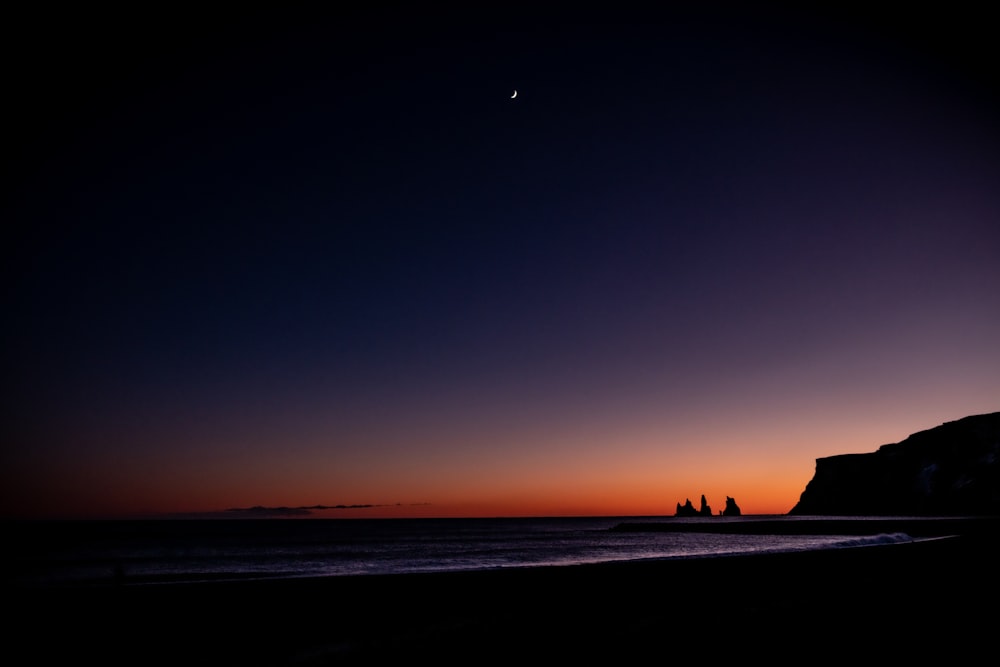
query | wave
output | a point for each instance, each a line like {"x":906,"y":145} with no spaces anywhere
{"x":877,"y":540}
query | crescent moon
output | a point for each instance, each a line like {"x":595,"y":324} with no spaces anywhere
{"x":514,"y":95}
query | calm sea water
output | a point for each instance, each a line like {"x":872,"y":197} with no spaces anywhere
{"x":162,"y":551}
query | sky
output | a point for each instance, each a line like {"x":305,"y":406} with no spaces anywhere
{"x":324,"y":258}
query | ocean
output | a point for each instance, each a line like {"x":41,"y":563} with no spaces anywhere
{"x":150,"y":552}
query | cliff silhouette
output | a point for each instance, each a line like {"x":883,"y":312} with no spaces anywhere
{"x":950,"y":470}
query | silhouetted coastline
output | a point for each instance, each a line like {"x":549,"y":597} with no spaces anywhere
{"x":913,"y":526}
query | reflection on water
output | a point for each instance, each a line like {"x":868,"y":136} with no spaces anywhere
{"x":186,"y":550}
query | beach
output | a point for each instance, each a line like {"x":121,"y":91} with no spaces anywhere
{"x":915,"y":599}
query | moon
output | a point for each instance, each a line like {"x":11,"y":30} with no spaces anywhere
{"x":514,"y":95}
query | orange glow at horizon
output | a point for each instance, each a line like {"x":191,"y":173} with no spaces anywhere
{"x":590,"y":492}
{"x":636,"y":471}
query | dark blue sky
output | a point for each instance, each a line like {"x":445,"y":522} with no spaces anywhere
{"x":330,"y":239}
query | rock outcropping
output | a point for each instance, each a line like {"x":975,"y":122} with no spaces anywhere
{"x":950,"y":470}
{"x":687,"y":509}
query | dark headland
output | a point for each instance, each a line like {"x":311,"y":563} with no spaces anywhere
{"x":950,"y":470}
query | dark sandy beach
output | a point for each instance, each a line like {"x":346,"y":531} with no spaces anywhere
{"x":923,"y":599}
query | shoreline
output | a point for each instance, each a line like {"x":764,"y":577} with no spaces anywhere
{"x":940,"y":589}
{"x":810,"y":525}
{"x":116,"y":581}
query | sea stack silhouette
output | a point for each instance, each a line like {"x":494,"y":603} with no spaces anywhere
{"x":950,"y":470}
{"x":687,"y":509}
